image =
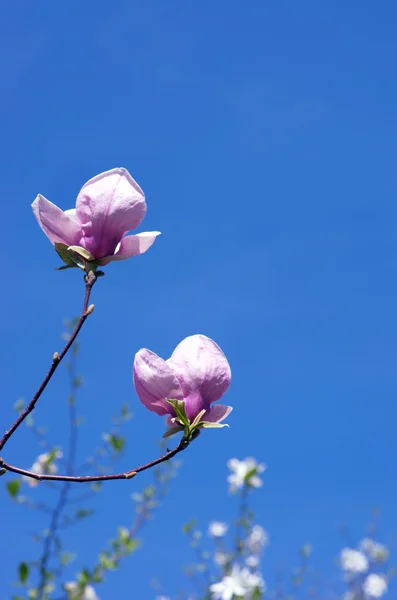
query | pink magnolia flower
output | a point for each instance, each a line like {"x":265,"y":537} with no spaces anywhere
{"x":107,"y":208}
{"x":197,"y":373}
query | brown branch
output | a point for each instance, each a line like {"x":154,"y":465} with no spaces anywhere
{"x":90,"y":279}
{"x":183,"y":444}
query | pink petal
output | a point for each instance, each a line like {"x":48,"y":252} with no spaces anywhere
{"x":57,"y":225}
{"x":71,"y":212}
{"x":108,"y":206}
{"x":154,"y":382}
{"x":131,"y":245}
{"x":200,"y":365}
{"x":217,"y":413}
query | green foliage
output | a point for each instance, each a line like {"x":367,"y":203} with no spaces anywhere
{"x":116,"y":442}
{"x":13,"y":487}
{"x":19,"y":405}
{"x":23,"y":571}
{"x":66,"y":558}
{"x":189,"y":526}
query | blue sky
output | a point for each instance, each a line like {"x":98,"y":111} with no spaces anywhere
{"x":264,"y":136}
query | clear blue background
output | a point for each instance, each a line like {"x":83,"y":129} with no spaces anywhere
{"x":264,"y":135}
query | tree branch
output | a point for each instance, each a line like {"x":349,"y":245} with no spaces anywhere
{"x":183,"y":444}
{"x":90,"y":279}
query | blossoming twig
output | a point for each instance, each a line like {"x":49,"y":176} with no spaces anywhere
{"x":183,"y":444}
{"x":90,"y":279}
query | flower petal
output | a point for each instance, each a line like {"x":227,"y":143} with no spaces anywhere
{"x":131,"y":245}
{"x":217,"y":413}
{"x":57,"y":225}
{"x":154,"y":382}
{"x":108,"y":206}
{"x":200,"y":365}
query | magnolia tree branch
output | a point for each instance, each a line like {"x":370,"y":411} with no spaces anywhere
{"x":183,"y":444}
{"x":63,"y":496}
{"x":90,"y":280}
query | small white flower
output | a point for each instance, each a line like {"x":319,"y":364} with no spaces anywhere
{"x":376,"y":552}
{"x":244,"y":472}
{"x":75,"y":592}
{"x":353,"y":561}
{"x":252,"y":562}
{"x":43,"y":465}
{"x":239,"y":582}
{"x":375,"y":586}
{"x":221,"y":558}
{"x":217,"y":529}
{"x":257,"y":540}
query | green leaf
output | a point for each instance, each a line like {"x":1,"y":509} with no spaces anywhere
{"x":197,"y":419}
{"x":172,"y":431}
{"x":13,"y":487}
{"x":84,"y":577}
{"x":107,"y":562}
{"x":82,"y":252}
{"x":62,"y":250}
{"x":125,"y":412}
{"x":117,"y":442}
{"x":19,"y":405}
{"x":66,"y":558}
{"x":124,"y":534}
{"x":82,"y":513}
{"x":149,"y":491}
{"x":187,"y":528}
{"x":23,"y":571}
{"x":179,"y":407}
{"x":131,"y":545}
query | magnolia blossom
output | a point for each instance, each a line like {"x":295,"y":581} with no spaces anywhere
{"x":353,"y":561}
{"x":44,"y":465}
{"x":241,"y":583}
{"x":375,"y":586}
{"x":197,"y":373}
{"x":376,"y":552}
{"x":107,"y":208}
{"x":76,"y":593}
{"x":217,"y":529}
{"x":244,"y":472}
{"x":257,"y":540}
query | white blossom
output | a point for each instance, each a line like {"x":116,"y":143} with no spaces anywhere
{"x":244,"y":472}
{"x":257,"y":540}
{"x":75,"y":592}
{"x":221,"y":558}
{"x":239,"y":582}
{"x":375,"y":586}
{"x":376,"y":552}
{"x":44,"y":465}
{"x":217,"y":529}
{"x":353,"y":561}
{"x":252,"y":562}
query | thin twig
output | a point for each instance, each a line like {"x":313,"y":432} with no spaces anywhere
{"x":183,"y":444}
{"x":90,"y":279}
{"x":63,"y":496}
